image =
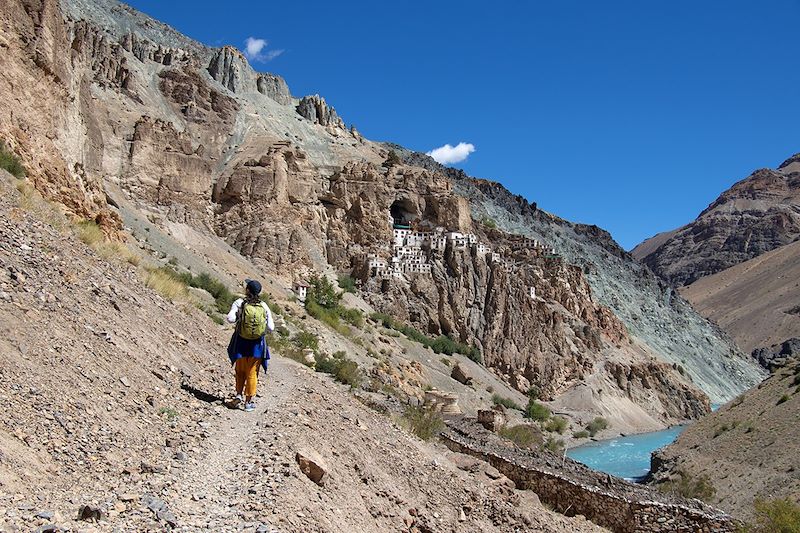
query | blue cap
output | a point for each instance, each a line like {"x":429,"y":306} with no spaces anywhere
{"x":253,"y":287}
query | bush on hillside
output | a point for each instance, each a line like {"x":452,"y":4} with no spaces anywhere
{"x":441,"y":344}
{"x":557,"y":424}
{"x":347,"y":283}
{"x":775,"y":516}
{"x":11,"y":162}
{"x":508,"y":403}
{"x":554,"y":445}
{"x":536,"y":411}
{"x":582,"y":434}
{"x":423,"y":422}
{"x":523,"y":435}
{"x":323,"y":293}
{"x":688,"y":486}
{"x":341,"y":368}
{"x":166,"y":285}
{"x":304,"y":339}
{"x":598,"y":424}
{"x":489,"y":222}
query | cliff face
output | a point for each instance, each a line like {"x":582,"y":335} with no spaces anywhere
{"x":194,"y":136}
{"x":754,"y":216}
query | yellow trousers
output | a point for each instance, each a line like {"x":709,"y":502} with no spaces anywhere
{"x":247,"y":375}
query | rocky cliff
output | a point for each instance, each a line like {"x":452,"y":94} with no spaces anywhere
{"x":192,"y":136}
{"x":756,"y":215}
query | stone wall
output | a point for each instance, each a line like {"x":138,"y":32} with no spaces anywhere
{"x":573,"y":489}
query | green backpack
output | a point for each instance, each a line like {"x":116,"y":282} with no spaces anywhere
{"x":252,"y":321}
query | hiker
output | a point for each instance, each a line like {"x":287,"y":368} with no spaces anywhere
{"x":248,"y":349}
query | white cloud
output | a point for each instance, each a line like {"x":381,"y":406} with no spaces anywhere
{"x":452,"y":154}
{"x":254,"y":50}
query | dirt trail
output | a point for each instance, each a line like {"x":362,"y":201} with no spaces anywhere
{"x":208,"y":494}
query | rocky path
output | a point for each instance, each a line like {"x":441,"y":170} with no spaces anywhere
{"x":213,"y":493}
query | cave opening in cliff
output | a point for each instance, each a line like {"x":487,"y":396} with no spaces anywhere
{"x":403,"y":212}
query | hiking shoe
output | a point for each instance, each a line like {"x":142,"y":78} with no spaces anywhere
{"x":250,"y":406}
{"x":236,"y":402}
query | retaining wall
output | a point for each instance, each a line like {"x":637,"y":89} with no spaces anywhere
{"x":571,"y":488}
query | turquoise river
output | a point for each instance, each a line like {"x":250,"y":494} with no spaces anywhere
{"x":627,"y":457}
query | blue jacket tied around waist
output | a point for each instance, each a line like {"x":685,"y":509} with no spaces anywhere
{"x":239,"y":347}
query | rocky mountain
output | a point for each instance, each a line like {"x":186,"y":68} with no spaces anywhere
{"x":114,"y":414}
{"x":196,"y":141}
{"x":757,"y":301}
{"x":747,"y":449}
{"x":756,"y":215}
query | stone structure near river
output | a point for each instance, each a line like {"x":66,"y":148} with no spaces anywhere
{"x":572,"y":488}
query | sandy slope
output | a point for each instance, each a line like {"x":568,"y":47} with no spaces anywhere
{"x":747,"y":449}
{"x":751,"y":300}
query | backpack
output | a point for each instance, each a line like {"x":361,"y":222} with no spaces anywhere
{"x":252,"y":321}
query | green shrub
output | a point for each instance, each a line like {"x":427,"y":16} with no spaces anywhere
{"x":168,"y":412}
{"x":223,"y":297}
{"x":688,"y":486}
{"x":508,"y":403}
{"x":322,"y":292}
{"x":598,"y":424}
{"x":304,"y":339}
{"x":554,"y":445}
{"x":537,"y":411}
{"x":341,"y":368}
{"x":582,"y":434}
{"x":523,"y":435}
{"x":347,"y":283}
{"x":557,"y":424}
{"x":11,"y":162}
{"x":782,"y":399}
{"x":441,"y":344}
{"x":534,"y":393}
{"x":423,"y":422}
{"x":720,"y":430}
{"x":354,"y":317}
{"x":489,"y":222}
{"x":445,"y":361}
{"x":392,"y":159}
{"x":775,"y":516}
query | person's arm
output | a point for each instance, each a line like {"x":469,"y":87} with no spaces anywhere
{"x":270,"y":322}
{"x":234,"y":311}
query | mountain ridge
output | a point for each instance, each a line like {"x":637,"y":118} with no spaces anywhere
{"x":755,"y":215}
{"x":207,"y":149}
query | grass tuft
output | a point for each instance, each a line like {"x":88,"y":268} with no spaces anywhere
{"x":11,"y":162}
{"x":598,"y":424}
{"x":508,"y":403}
{"x":166,"y":285}
{"x":523,"y":435}
{"x":423,"y":422}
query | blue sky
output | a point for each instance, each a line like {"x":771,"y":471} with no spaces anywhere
{"x":632,"y":115}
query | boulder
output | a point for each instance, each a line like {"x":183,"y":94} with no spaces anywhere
{"x":312,"y":466}
{"x":460,"y":375}
{"x":90,"y":512}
